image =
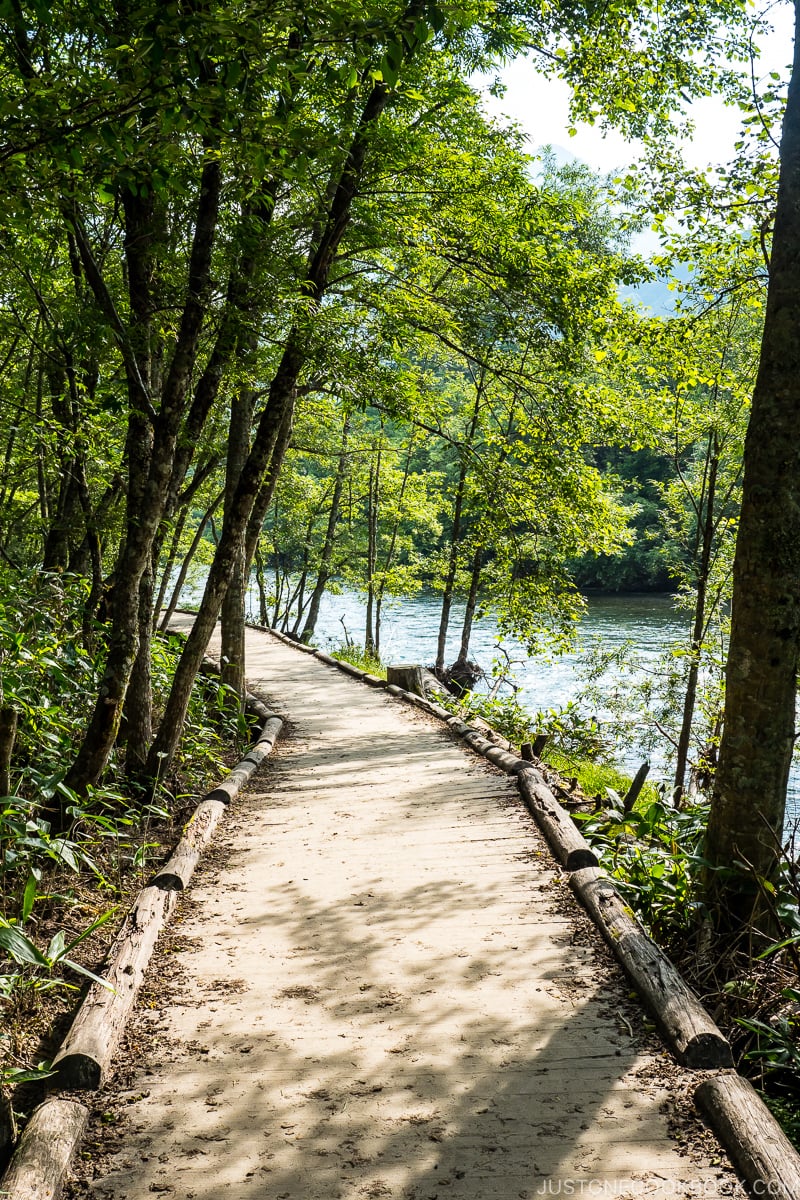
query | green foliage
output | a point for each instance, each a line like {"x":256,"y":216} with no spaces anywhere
{"x":355,"y":654}
{"x":594,"y":778}
{"x":38,"y":967}
{"x":654,"y":854}
{"x":503,"y":713}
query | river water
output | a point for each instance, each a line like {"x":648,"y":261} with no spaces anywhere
{"x":649,"y":624}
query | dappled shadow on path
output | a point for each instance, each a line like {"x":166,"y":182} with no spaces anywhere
{"x":387,"y":995}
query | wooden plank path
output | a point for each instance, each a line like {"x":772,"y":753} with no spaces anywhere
{"x":385,"y":990}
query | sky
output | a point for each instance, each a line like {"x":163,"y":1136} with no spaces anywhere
{"x":540,"y":106}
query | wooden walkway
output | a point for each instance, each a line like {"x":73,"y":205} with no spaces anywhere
{"x":383,"y":989}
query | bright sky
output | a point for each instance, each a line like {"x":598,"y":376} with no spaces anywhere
{"x":540,"y":106}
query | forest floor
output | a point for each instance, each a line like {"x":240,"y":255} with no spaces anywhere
{"x":379,"y":986}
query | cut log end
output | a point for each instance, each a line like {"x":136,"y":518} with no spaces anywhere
{"x":706,"y":1052}
{"x":579,"y":858}
{"x":77,"y":1072}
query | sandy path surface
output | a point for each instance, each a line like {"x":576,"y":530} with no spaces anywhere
{"x":381,"y":988}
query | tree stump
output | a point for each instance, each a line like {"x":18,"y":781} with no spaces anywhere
{"x":407,"y":676}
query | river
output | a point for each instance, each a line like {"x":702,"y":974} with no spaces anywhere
{"x":650,"y":624}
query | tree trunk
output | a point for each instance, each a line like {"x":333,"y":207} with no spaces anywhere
{"x":455,"y":536}
{"x":169,"y":565}
{"x":138,"y":710}
{"x":372,"y":549}
{"x":389,"y":559}
{"x":232,"y":612}
{"x":323,"y":571}
{"x":263,"y":611}
{"x":279,"y":404}
{"x":150,"y":449}
{"x":253,"y":494}
{"x":472,"y":600}
{"x":699,"y":621}
{"x":190,"y":553}
{"x":747,"y":811}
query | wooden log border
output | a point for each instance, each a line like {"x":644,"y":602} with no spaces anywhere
{"x":759,"y":1148}
{"x":87,"y":1050}
{"x":39,"y":1165}
{"x":685,"y":1025}
{"x":740,"y":1119}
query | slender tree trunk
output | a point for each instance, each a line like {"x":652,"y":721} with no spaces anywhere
{"x":169,"y":565}
{"x":699,"y":620}
{"x":455,"y":536}
{"x":281,"y":401}
{"x":263,"y":611}
{"x":187,"y":561}
{"x":452,"y":567}
{"x":373,"y":498}
{"x":748,"y":804}
{"x":472,"y":601}
{"x":138,"y":710}
{"x":323,"y":571}
{"x":389,"y":558}
{"x":232,"y":612}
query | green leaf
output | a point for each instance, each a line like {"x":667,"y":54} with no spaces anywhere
{"x":89,"y":974}
{"x":21,"y":948}
{"x":29,"y":895}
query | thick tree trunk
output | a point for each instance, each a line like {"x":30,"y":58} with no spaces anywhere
{"x":747,"y":812}
{"x":150,"y":449}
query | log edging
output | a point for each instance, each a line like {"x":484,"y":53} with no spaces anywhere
{"x":86,"y":1052}
{"x":739,"y":1117}
{"x":685,"y":1025}
{"x":42,"y":1159}
{"x":760,"y":1150}
{"x":39,"y":1165}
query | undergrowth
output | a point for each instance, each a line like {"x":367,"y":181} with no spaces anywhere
{"x":61,"y":893}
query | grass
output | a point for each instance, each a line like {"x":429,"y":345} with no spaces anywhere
{"x":357,"y":656}
{"x":596,"y":778}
